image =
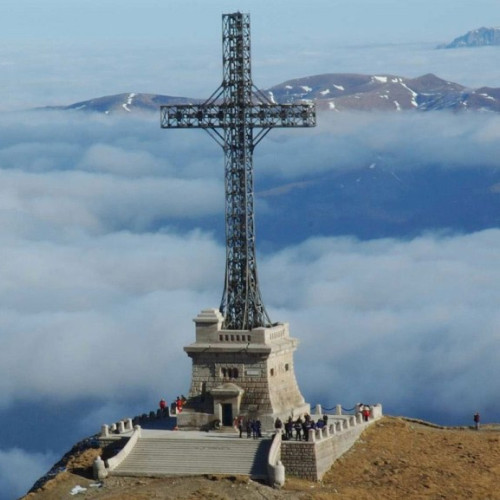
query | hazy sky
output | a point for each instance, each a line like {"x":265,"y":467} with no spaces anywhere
{"x":95,"y":278}
{"x":60,"y":52}
{"x":183,"y":21}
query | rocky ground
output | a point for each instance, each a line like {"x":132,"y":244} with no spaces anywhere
{"x":396,"y":458}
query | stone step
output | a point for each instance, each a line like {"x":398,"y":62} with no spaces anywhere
{"x":164,"y":456}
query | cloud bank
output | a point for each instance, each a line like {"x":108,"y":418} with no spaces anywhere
{"x":400,"y":141}
{"x":413,"y":323}
{"x":93,"y":267}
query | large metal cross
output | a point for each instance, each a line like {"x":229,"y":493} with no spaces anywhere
{"x":238,"y":107}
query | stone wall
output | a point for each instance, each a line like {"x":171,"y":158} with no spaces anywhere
{"x":312,"y":459}
{"x":298,"y":459}
{"x":208,"y":373}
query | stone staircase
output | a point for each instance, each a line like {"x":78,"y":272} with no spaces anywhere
{"x":221,"y":455}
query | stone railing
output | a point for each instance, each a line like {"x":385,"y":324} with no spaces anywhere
{"x":312,"y":458}
{"x":344,"y":423}
{"x":126,"y":425}
{"x":275,"y":469}
{"x":121,"y":427}
{"x":334,"y":428}
{"x":113,"y":462}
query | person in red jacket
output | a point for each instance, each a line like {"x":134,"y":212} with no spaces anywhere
{"x":178,"y":404}
{"x":366,"y":413}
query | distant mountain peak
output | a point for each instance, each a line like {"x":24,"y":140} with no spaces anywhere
{"x":479,"y":37}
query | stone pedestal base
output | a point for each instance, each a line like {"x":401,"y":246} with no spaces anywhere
{"x":246,"y":373}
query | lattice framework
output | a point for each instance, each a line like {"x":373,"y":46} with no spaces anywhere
{"x":237,"y":107}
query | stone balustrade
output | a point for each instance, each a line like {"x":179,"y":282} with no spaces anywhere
{"x":126,"y":425}
{"x":113,"y":462}
{"x":275,"y":468}
{"x":311,"y":459}
{"x":121,"y":427}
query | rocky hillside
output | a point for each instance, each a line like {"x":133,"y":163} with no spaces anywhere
{"x":333,"y":92}
{"x":395,"y":458}
{"x":475,"y":38}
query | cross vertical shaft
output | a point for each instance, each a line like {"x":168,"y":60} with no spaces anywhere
{"x":241,"y":296}
{"x":242,"y":109}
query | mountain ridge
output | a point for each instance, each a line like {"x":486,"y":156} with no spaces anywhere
{"x":331,"y":92}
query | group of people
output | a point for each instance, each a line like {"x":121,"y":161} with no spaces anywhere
{"x":252,"y":427}
{"x":300,"y":426}
{"x":176,"y":406}
{"x":365,"y":410}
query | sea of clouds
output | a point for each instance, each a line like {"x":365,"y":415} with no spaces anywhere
{"x":99,"y":285}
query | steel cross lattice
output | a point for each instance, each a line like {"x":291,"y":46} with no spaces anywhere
{"x":237,"y":107}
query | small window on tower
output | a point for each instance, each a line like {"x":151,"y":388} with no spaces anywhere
{"x":272,"y":372}
{"x":287,"y":367}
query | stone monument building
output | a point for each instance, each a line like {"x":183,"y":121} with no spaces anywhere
{"x":241,"y":373}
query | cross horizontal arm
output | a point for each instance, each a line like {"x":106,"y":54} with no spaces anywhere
{"x":283,"y":115}
{"x":224,"y":116}
{"x":192,"y":116}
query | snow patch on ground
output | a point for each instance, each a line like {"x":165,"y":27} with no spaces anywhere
{"x":381,"y":79}
{"x":325,"y":92}
{"x":413,"y":95}
{"x":339,"y":87}
{"x":306,"y":88}
{"x":130,"y":99}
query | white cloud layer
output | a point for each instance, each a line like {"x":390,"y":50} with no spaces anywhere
{"x":19,"y":468}
{"x":95,"y":280}
{"x":400,"y":141}
{"x":419,"y":319}
{"x":411,"y":323}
